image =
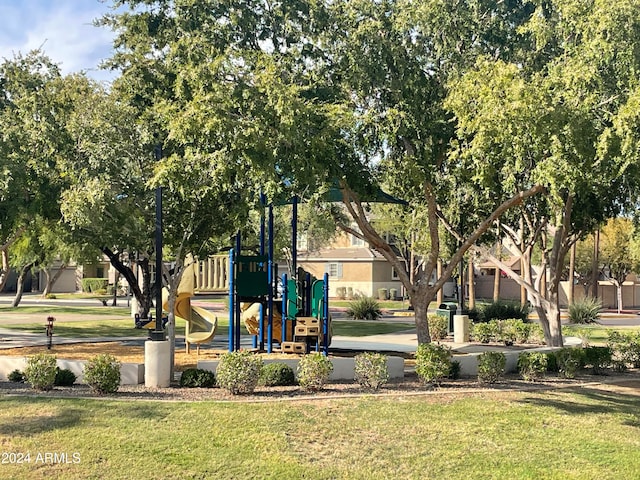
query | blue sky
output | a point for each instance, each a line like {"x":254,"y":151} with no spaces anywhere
{"x":61,"y":28}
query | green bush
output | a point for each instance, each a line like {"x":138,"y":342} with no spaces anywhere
{"x":371,"y":370}
{"x":314,"y":370}
{"x":502,"y":310}
{"x":625,"y":349}
{"x":277,"y":374}
{"x":508,"y":331}
{"x":586,"y":310}
{"x":485,"y":332}
{"x":102,"y":373}
{"x":239,"y":372}
{"x":197,"y":378}
{"x":598,"y":358}
{"x":569,"y":361}
{"x":364,"y":308}
{"x":536,"y":334}
{"x":64,"y":377}
{"x":438,"y":326}
{"x":532,"y":365}
{"x":491,"y":366}
{"x":40,"y":371}
{"x":433,"y":362}
{"x":16,"y":376}
{"x":95,"y":285}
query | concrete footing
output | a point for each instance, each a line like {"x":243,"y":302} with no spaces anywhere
{"x":157,"y":364}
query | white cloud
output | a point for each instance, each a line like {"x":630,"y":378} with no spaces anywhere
{"x":61,"y":28}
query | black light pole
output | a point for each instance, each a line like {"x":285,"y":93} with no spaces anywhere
{"x":158,"y":333}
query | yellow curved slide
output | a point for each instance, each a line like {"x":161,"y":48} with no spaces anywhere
{"x":200,"y":323}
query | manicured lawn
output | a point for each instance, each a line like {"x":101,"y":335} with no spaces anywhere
{"x":125,"y":328}
{"x":580,"y":434}
{"x":55,"y":310}
{"x":596,"y":334}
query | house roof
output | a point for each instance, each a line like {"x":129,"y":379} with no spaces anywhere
{"x":341,"y":254}
{"x":513,"y":262}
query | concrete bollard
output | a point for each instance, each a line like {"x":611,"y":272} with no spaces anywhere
{"x":157,"y":368}
{"x":461,"y":328}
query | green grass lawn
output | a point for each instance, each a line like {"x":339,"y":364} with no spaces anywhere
{"x":581,"y":434}
{"x":57,"y":310}
{"x":125,"y":328}
{"x":596,"y":334}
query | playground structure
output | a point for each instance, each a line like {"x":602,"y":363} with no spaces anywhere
{"x":299,"y":320}
{"x":200,"y":324}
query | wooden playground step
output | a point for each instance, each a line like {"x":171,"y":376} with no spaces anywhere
{"x":294,"y":347}
{"x":307,"y":331}
{"x":308,"y":321}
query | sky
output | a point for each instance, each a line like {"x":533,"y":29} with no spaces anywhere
{"x":62,"y":29}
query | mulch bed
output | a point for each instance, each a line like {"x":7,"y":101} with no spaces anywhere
{"x":628,"y":382}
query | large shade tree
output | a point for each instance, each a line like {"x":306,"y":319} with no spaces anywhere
{"x":565,"y":115}
{"x":301,"y":94}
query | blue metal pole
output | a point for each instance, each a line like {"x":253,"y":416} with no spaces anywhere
{"x":237,"y":319}
{"x":325,"y":314}
{"x":294,"y":237}
{"x":232,"y":307}
{"x":271,"y":281}
{"x":284,"y":307}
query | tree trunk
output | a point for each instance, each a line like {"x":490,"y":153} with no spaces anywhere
{"x":595,"y":270}
{"x":144,"y":295}
{"x":51,"y":280}
{"x":4,"y":275}
{"x":619,"y":295}
{"x":20,"y":287}
{"x":421,"y":300}
{"x":496,"y":278}
{"x":439,"y":295}
{"x":572,"y":267}
{"x":472,"y":287}
{"x":114,"y":302}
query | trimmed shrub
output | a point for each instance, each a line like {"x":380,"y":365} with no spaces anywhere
{"x":586,"y":310}
{"x":598,"y":358}
{"x":569,"y":361}
{"x":364,"y":308}
{"x":16,"y":376}
{"x":371,"y":370}
{"x":40,"y":371}
{"x":491,"y":366}
{"x":485,"y":332}
{"x":508,"y":331}
{"x":277,"y":374}
{"x":438,"y":326}
{"x":625,"y":349}
{"x":102,"y":373}
{"x":433,"y":362}
{"x":239,"y":372}
{"x":197,"y":378}
{"x":314,"y":370}
{"x":95,"y":285}
{"x":502,"y":310}
{"x":532,"y":365}
{"x":64,"y":378}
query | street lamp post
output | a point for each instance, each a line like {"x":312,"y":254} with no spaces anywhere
{"x":158,"y":333}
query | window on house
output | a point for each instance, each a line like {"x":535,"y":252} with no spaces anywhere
{"x":334,"y":270}
{"x":394,"y":274}
{"x":302,"y":241}
{"x":99,"y":272}
{"x":357,"y":242}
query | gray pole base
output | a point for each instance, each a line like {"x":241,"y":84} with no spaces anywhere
{"x":461,"y":328}
{"x":157,"y":368}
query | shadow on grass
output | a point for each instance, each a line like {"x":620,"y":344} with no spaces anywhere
{"x":62,"y":418}
{"x":592,"y":400}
